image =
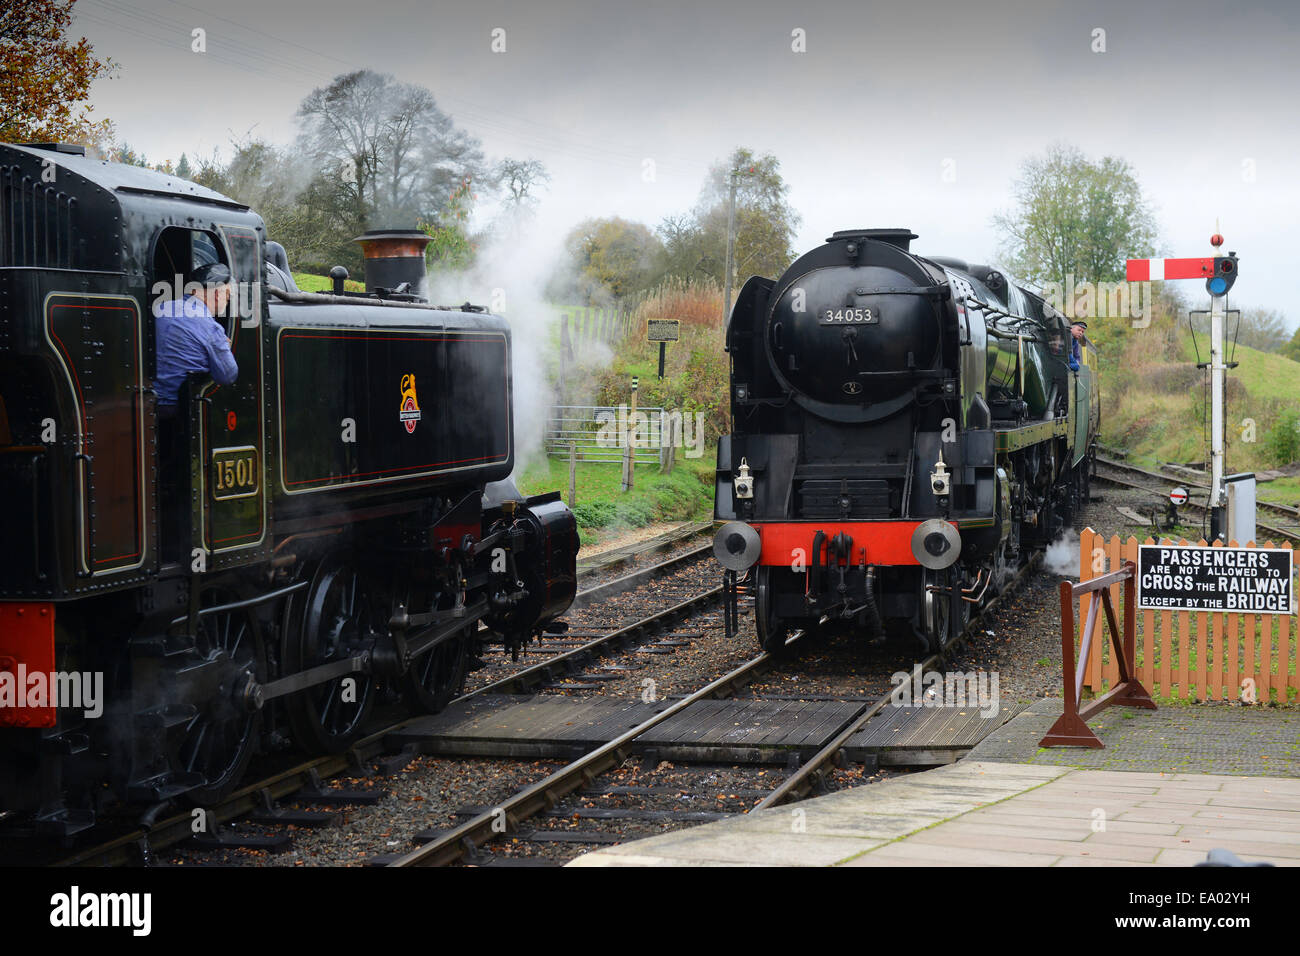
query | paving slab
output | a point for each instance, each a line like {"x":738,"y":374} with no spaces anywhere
{"x":835,"y":828}
{"x":1169,"y":786}
{"x":987,"y":814}
{"x":1219,"y":739}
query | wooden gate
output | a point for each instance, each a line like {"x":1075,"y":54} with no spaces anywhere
{"x":1192,"y":655}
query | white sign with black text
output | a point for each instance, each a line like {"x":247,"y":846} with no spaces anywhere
{"x":1196,"y":578}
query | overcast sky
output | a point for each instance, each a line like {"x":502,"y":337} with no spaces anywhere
{"x":1200,"y":97}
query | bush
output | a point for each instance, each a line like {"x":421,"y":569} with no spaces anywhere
{"x":694,"y":303}
{"x":1283,"y":439}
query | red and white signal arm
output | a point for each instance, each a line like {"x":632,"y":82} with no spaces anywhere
{"x":1158,"y":270}
{"x":1178,"y":496}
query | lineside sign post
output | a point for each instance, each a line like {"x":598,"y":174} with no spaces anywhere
{"x":1192,"y":578}
{"x":663,"y":331}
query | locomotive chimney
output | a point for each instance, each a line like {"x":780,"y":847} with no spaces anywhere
{"x":395,"y":256}
{"x":895,"y":237}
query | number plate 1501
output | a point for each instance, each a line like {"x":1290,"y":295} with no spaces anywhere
{"x":234,"y":473}
{"x":849,"y":316}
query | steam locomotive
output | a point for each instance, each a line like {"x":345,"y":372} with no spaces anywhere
{"x":906,"y":430}
{"x":334,"y":529}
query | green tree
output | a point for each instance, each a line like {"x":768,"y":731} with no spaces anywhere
{"x":124,"y":154}
{"x":607,"y":259}
{"x":1283,"y":440}
{"x":1292,"y":348}
{"x":45,"y":76}
{"x":764,"y":222}
{"x":1075,"y":217}
{"x":183,"y":169}
{"x":452,"y":247}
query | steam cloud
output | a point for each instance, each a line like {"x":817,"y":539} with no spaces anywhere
{"x":1062,"y":557}
{"x":510,"y":274}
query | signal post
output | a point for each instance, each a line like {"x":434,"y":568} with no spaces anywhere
{"x":1219,"y":273}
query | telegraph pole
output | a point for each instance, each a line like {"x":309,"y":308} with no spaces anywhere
{"x":731,"y":250}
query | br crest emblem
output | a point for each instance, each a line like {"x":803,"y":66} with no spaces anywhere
{"x":410,"y":412}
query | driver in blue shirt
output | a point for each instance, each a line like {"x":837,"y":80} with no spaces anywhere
{"x":189,"y":336}
{"x":1078,"y":335}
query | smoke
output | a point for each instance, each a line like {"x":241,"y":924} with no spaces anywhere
{"x":515,"y":260}
{"x":1062,"y":557}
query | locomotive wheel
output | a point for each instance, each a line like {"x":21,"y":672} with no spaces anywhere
{"x":219,"y":740}
{"x":437,"y":677}
{"x":340,"y":618}
{"x":772,"y":631}
{"x":937,"y":616}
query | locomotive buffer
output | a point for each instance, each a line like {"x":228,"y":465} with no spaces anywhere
{"x":1219,"y":273}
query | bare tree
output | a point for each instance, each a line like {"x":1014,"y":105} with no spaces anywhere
{"x":520,"y":178}
{"x":398,"y":155}
{"x":1263,"y":329}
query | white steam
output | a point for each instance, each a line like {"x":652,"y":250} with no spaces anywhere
{"x":1062,"y":557}
{"x":510,"y":273}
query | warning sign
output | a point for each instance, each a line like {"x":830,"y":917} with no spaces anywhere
{"x":1193,"y":578}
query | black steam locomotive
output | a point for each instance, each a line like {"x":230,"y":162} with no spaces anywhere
{"x":905,"y":431}
{"x":335,"y":528}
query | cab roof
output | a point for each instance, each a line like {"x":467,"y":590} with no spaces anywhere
{"x":119,"y":177}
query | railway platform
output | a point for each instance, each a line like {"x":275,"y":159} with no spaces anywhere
{"x":1170,"y":786}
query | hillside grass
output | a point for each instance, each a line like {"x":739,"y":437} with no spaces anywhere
{"x":1155,"y":406}
{"x":309,"y":282}
{"x":603,"y":508}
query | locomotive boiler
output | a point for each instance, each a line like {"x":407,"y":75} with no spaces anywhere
{"x":906,"y":429}
{"x":335,"y":529}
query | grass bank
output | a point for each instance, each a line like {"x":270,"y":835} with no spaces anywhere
{"x":603,"y":508}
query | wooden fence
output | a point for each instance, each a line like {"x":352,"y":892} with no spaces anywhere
{"x":580,"y":327}
{"x":1192,"y":655}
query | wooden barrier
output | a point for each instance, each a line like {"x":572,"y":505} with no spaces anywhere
{"x":1193,"y":655}
{"x":1071,"y":728}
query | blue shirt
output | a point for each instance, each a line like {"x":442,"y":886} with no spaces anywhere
{"x":189,"y":341}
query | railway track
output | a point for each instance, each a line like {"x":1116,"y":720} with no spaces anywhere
{"x":803,"y":781}
{"x":454,"y":845}
{"x":464,"y":843}
{"x":304,"y":781}
{"x":1141,"y":479}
